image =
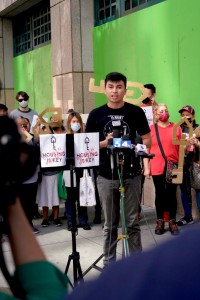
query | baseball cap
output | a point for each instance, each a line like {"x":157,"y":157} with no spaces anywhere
{"x":189,"y":108}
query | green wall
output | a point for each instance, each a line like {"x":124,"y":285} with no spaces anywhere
{"x":33,"y":74}
{"x":159,"y":45}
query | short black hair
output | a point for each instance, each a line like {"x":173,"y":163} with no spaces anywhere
{"x":115,"y":76}
{"x":3,"y":107}
{"x":151,"y":87}
{"x":23,"y":94}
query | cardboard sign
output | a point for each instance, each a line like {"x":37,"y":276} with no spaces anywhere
{"x":86,"y":149}
{"x":53,"y":150}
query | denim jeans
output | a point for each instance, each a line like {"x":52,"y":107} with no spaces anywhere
{"x":110,"y":201}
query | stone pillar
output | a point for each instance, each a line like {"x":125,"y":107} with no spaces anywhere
{"x":6,"y":63}
{"x":72,"y":60}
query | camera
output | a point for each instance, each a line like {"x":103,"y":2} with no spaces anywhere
{"x":18,"y":161}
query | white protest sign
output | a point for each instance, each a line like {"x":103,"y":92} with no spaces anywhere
{"x":35,"y":118}
{"x":149,"y":114}
{"x":86,"y":149}
{"x":53,"y":150}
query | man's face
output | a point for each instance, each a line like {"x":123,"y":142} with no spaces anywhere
{"x":150,"y":94}
{"x":3,"y":112}
{"x":23,"y":124}
{"x":22,"y":102}
{"x":115,"y":91}
{"x":186,"y":114}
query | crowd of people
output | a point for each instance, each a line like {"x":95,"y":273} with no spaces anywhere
{"x":123,"y":121}
{"x":42,"y":189}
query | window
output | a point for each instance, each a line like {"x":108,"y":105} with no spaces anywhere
{"x":32,"y":28}
{"x":133,"y":5}
{"x":106,"y":10}
{"x":41,"y":27}
{"x":109,"y":10}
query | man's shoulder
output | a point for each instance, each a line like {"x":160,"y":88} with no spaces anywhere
{"x":98,"y":110}
{"x":33,"y":111}
{"x":133,"y":108}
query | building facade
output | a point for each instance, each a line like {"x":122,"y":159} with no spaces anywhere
{"x":46,"y":50}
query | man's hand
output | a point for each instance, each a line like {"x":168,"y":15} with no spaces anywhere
{"x":104,"y":144}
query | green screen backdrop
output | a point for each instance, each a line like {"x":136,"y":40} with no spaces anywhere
{"x":33,"y":74}
{"x":158,"y":45}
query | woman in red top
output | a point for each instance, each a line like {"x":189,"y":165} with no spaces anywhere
{"x":165,"y":193}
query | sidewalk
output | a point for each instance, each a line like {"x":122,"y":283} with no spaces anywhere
{"x":57,"y":243}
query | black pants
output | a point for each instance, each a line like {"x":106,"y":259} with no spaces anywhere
{"x":165,"y":197}
{"x":70,"y":206}
{"x":27,"y":195}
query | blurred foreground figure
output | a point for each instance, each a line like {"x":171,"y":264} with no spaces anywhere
{"x":34,"y":277}
{"x":156,"y":274}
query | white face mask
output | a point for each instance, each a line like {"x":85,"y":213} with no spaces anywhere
{"x":23,"y":103}
{"x":75,"y":126}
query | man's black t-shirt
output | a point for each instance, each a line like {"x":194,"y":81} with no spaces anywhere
{"x":131,"y":119}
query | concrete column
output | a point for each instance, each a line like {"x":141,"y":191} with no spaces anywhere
{"x":6,"y":65}
{"x":72,"y":59}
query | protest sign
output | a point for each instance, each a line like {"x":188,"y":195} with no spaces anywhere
{"x":86,"y":149}
{"x":53,"y":150}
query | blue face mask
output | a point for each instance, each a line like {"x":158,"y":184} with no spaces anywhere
{"x":75,"y":126}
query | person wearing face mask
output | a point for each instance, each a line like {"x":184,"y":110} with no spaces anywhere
{"x":190,"y":154}
{"x":47,"y":196}
{"x":151,"y":92}
{"x":148,"y":107}
{"x":74,"y":125}
{"x":165,"y":193}
{"x":23,"y":109}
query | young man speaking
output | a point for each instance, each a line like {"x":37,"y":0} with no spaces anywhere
{"x":123,"y":119}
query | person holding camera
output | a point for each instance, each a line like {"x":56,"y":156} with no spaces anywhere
{"x":34,"y":276}
{"x":191,"y":154}
{"x":124,"y":119}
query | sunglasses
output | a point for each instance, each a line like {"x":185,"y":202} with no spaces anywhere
{"x":20,"y":100}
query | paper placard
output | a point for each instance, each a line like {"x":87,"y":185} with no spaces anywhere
{"x":86,"y":149}
{"x":149,"y":114}
{"x":53,"y":150}
{"x":35,"y":118}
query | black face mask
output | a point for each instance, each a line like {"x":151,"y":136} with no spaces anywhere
{"x":189,"y":120}
{"x":146,"y":100}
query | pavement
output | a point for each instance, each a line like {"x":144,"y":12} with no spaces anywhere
{"x":57,"y":243}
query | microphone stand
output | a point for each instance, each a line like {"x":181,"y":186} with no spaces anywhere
{"x":124,"y":236}
{"x":75,"y":256}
